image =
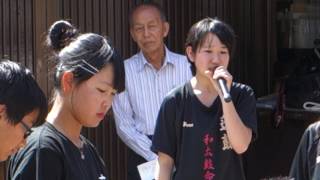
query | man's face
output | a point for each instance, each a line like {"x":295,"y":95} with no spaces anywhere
{"x":148,"y":29}
{"x":12,"y":137}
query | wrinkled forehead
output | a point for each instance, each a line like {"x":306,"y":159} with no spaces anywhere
{"x":142,"y":10}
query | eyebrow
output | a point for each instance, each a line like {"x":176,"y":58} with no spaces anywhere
{"x":224,"y":47}
{"x":106,"y":83}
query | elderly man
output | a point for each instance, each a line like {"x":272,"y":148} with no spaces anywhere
{"x":150,"y":75}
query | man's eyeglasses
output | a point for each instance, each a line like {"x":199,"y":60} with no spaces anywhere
{"x":27,"y":128}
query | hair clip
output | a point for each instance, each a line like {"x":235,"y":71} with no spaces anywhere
{"x":108,"y":50}
{"x":110,"y":53}
{"x":88,"y":70}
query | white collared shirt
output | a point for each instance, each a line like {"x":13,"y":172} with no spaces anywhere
{"x":136,"y":109}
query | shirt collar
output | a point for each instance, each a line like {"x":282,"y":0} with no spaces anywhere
{"x":143,"y":61}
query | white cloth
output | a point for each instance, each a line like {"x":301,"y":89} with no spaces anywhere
{"x":136,"y":109}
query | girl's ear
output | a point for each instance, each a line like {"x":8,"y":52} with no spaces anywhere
{"x":2,"y":108}
{"x":67,"y":82}
{"x":2,"y":111}
{"x":3,"y":116}
{"x":190,"y":53}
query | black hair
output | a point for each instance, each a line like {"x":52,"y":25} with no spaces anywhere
{"x":82,"y":54}
{"x":20,"y":93}
{"x":150,"y":4}
{"x":199,"y":31}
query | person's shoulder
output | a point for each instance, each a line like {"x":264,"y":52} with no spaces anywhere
{"x":46,"y":137}
{"x":315,"y":125}
{"x":132,"y":60}
{"x":312,"y":133}
{"x":178,"y":93}
{"x":41,"y":138}
{"x":239,"y":87}
{"x":177,"y":57}
{"x":314,"y":128}
{"x":132,"y":64}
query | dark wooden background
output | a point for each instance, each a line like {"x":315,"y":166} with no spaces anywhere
{"x":23,"y":26}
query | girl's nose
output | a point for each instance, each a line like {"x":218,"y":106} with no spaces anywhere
{"x":106,"y":104}
{"x":215,"y":58}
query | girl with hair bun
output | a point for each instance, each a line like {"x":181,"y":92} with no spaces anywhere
{"x":87,"y":76}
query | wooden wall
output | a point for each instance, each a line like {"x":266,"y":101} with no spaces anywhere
{"x":23,"y":26}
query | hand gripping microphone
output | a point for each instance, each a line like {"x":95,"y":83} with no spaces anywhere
{"x":224,"y":89}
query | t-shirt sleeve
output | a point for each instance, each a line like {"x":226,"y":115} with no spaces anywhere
{"x":299,"y":167}
{"x":164,"y":138}
{"x":246,"y":108}
{"x":47,"y":166}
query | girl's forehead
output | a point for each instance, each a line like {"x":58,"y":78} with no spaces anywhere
{"x":211,"y":40}
{"x":106,"y":74}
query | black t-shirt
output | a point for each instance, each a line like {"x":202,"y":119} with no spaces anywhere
{"x":56,"y":157}
{"x":306,"y":163}
{"x":195,"y":136}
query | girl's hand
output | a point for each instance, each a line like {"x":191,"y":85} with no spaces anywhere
{"x":220,"y":72}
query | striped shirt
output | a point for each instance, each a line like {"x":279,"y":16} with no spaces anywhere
{"x":136,"y":109}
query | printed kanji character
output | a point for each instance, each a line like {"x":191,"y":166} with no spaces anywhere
{"x":222,"y":124}
{"x":208,"y":175}
{"x":207,"y":139}
{"x":207,"y":164}
{"x":208,"y":152}
{"x":225,"y":142}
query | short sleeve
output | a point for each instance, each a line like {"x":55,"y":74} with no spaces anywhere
{"x":164,"y":138}
{"x":299,"y":166}
{"x":25,"y":167}
{"x":246,"y":108}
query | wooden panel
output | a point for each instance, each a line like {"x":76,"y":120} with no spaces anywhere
{"x":16,"y":37}
{"x":21,"y":31}
{"x":13,"y":30}
{"x":6,"y":29}
{"x":40,"y":28}
{"x":1,"y":29}
{"x":29,"y":35}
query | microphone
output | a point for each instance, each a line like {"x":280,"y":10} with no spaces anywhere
{"x":224,"y":89}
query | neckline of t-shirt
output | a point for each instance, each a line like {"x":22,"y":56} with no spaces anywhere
{"x":196,"y":99}
{"x":51,"y":126}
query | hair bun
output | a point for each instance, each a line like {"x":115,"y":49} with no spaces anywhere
{"x":61,"y":34}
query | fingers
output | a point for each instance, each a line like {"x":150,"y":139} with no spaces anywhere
{"x":222,"y":72}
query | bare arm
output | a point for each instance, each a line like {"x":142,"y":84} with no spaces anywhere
{"x":238,"y":133}
{"x":165,"y":166}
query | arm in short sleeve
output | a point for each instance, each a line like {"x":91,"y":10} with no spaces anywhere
{"x":299,"y":167}
{"x":246,"y":108}
{"x":164,"y":139}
